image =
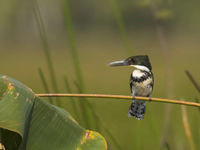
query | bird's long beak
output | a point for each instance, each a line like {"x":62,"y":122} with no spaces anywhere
{"x":118,"y":63}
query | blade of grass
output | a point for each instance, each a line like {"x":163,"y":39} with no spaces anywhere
{"x":86,"y":115}
{"x":152,"y":123}
{"x":196,"y":85}
{"x":72,"y":44}
{"x":45,"y":47}
{"x":121,"y":26}
{"x":194,"y":82}
{"x":72,"y":99}
{"x":44,"y":84}
{"x":187,"y":128}
{"x":103,"y":126}
{"x":167,"y":146}
{"x":160,"y":30}
{"x":90,"y":119}
{"x":99,"y":123}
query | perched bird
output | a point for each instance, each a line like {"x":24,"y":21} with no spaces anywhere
{"x":141,"y":82}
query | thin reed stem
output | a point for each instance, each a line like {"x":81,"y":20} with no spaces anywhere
{"x":187,"y":128}
{"x":162,"y":100}
{"x":44,"y":84}
{"x":98,"y":122}
{"x":194,"y":82}
{"x":101,"y":124}
{"x":72,"y":45}
{"x":121,"y":26}
{"x":68,"y":87}
{"x":161,"y":34}
{"x":46,"y":48}
{"x":76,"y":61}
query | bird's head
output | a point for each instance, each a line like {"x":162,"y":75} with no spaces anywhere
{"x":139,"y":62}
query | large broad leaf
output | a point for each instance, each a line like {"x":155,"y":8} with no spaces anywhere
{"x":27,"y":122}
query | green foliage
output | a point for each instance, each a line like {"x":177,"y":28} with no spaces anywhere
{"x":86,"y":112}
{"x":27,"y":121}
{"x":164,"y":15}
{"x":46,"y":48}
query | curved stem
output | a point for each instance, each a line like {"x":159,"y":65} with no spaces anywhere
{"x":162,"y":100}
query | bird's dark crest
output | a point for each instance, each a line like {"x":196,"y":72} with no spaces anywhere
{"x":139,"y":60}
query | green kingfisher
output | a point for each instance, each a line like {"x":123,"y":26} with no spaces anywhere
{"x":141,"y":82}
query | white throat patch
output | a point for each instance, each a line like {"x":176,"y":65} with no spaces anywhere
{"x":141,"y":67}
{"x":137,"y":73}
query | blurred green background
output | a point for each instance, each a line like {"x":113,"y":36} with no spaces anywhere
{"x":166,"y":30}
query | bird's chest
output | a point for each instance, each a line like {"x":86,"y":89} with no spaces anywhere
{"x":142,"y":88}
{"x":141,"y":83}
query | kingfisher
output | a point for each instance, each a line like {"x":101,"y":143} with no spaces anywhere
{"x":141,"y":82}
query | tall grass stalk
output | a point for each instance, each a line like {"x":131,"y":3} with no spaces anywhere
{"x":85,"y":112}
{"x":194,"y":82}
{"x":45,"y":84}
{"x":72,"y":45}
{"x":99,"y":125}
{"x":46,"y":48}
{"x":197,"y":86}
{"x":121,"y":26}
{"x":154,"y":127}
{"x":187,"y":128}
{"x":165,"y":52}
{"x":73,"y":102}
{"x":92,"y":122}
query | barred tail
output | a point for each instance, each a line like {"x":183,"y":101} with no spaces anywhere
{"x":137,"y":109}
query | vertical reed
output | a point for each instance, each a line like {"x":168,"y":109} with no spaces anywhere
{"x":46,"y":48}
{"x":68,"y":88}
{"x":121,"y":26}
{"x":160,"y":30}
{"x":45,"y":84}
{"x":85,"y":110}
{"x":187,"y":128}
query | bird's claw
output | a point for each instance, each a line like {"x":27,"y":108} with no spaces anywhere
{"x":150,"y":99}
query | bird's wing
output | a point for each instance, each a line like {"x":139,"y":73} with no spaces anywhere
{"x":131,"y":83}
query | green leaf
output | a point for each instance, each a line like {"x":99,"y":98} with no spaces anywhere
{"x":27,"y":121}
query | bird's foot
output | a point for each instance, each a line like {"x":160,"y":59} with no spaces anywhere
{"x":150,"y":99}
{"x":133,"y":99}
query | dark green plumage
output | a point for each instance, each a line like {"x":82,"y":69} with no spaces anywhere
{"x":142,"y":60}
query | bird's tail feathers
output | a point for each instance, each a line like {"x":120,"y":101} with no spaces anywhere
{"x":137,"y":109}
